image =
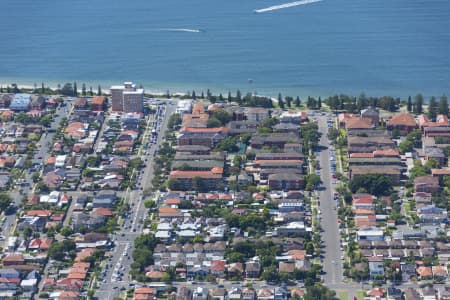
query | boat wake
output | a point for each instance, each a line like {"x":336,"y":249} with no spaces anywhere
{"x":181,"y":30}
{"x":285,"y":5}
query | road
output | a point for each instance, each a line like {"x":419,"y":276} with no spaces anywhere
{"x":120,"y":259}
{"x":332,"y":262}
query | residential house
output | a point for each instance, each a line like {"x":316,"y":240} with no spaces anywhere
{"x":394,"y":293}
{"x":248,"y":294}
{"x":242,"y":127}
{"x":426,"y":184}
{"x":281,"y":293}
{"x":252,"y":269}
{"x":144,"y":293}
{"x":372,"y":114}
{"x":235,"y":294}
{"x":210,"y":179}
{"x":278,"y":140}
{"x":184,"y":293}
{"x":403,"y":122}
{"x":286,"y":181}
{"x":265,"y":294}
{"x":208,"y":137}
{"x":376,"y":267}
{"x":20,"y":102}
{"x":424,"y":273}
{"x":200,"y":293}
{"x":104,"y":198}
{"x":256,"y":114}
{"x":369,"y":143}
{"x":219,"y":294}
{"x":98,"y":103}
{"x":411,"y":294}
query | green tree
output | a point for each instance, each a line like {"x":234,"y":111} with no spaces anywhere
{"x":229,"y":98}
{"x":213,"y":123}
{"x":432,"y":108}
{"x":409,"y":104}
{"x":280,"y":101}
{"x":27,"y":233}
{"x":46,"y":120}
{"x":222,"y":115}
{"x":406,"y":146}
{"x":375,"y":184}
{"x":83,"y":89}
{"x":75,"y":90}
{"x":270,"y":274}
{"x":443,"y":105}
{"x":66,"y":231}
{"x":174,"y":121}
{"x":297,"y":102}
{"x":5,"y":201}
{"x":59,"y":250}
{"x":173,"y":184}
{"x":238,"y":96}
{"x":99,"y":90}
{"x":199,"y":184}
{"x":193,"y":95}
{"x":149,"y":204}
{"x":418,"y":104}
{"x":319,"y":292}
{"x":67,"y":90}
{"x":228,"y":144}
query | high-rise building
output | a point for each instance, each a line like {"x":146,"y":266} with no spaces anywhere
{"x":126,"y":98}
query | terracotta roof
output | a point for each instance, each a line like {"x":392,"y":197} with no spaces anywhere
{"x":39,"y":213}
{"x":361,"y":155}
{"x":440,"y":171}
{"x":358,"y":123}
{"x":424,"y":271}
{"x":363,"y":201}
{"x":375,"y":292}
{"x":286,"y":267}
{"x":363,"y":211}
{"x":98,"y":100}
{"x":155,"y":274}
{"x":103,"y":211}
{"x":192,"y":174}
{"x":297,"y":254}
{"x":172,"y":201}
{"x":168,"y":210}
{"x":83,"y":254}
{"x":439,"y":271}
{"x":386,"y":152}
{"x":404,"y":119}
{"x":205,"y":130}
{"x":217,"y":265}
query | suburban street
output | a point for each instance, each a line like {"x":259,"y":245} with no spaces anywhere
{"x":332,"y":262}
{"x":42,"y":151}
{"x":132,"y":226}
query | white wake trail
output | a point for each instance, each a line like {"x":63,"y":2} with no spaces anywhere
{"x":285,"y":5}
{"x":181,"y":30}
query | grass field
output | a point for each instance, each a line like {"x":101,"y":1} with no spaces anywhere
{"x":343,"y":295}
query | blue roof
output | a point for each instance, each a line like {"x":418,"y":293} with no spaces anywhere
{"x":20,"y":101}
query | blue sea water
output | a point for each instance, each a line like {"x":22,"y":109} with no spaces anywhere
{"x":380,"y":47}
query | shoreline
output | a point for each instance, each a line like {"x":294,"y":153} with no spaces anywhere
{"x":184,"y":89}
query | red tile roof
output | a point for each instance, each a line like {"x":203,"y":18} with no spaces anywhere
{"x":403,"y":119}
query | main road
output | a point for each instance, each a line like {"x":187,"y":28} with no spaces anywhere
{"x":332,"y":263}
{"x":120,"y":258}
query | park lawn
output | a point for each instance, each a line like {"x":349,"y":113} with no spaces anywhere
{"x":343,"y":295}
{"x":360,"y":295}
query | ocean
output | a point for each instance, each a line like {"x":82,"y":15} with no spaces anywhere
{"x":379,"y":47}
